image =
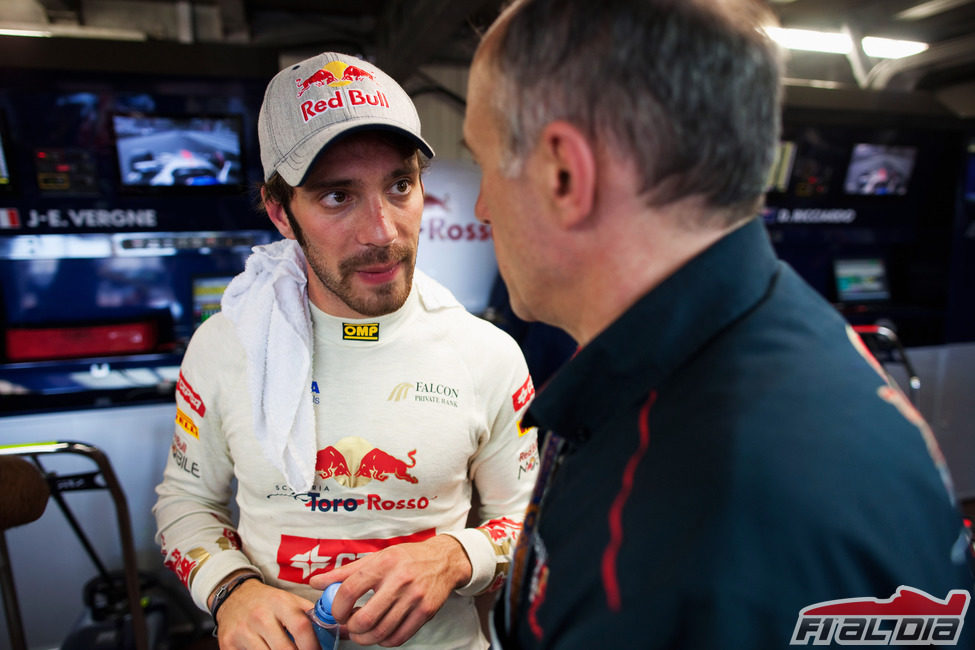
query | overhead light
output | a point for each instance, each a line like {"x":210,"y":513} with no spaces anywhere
{"x":71,"y":31}
{"x":839,"y":43}
{"x":890,"y":48}
{"x":14,"y":31}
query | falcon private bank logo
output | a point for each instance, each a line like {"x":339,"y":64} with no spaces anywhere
{"x":910,"y":617}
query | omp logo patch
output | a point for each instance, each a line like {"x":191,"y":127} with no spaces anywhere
{"x":360,"y":331}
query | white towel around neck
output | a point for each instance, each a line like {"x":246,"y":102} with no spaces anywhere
{"x":268,"y":305}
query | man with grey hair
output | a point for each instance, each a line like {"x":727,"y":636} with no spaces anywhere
{"x":722,"y":457}
{"x":354,"y":402}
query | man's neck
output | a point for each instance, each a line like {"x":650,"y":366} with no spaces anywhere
{"x":632,"y":255}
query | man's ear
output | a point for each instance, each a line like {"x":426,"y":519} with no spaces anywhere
{"x":569,"y":171}
{"x":275,"y":211}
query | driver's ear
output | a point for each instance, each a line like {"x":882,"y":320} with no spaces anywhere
{"x":275,"y":211}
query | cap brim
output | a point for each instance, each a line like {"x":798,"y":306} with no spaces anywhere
{"x":294,"y":168}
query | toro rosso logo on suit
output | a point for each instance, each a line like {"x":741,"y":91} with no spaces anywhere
{"x":353,"y":462}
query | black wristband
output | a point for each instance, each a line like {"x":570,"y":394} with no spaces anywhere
{"x":227,"y":589}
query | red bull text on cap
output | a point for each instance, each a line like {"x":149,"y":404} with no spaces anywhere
{"x":311,"y":103}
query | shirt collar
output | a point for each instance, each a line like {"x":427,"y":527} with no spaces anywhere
{"x":658,"y":333}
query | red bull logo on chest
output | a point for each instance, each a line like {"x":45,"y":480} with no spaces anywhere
{"x":354,"y":462}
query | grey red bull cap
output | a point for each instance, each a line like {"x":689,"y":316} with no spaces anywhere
{"x":311,"y":103}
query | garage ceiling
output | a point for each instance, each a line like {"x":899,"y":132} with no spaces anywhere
{"x":402,"y":35}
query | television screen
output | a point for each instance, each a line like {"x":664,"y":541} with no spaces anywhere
{"x":860,"y":280}
{"x":178,"y":152}
{"x":207,"y":292}
{"x":879,"y":169}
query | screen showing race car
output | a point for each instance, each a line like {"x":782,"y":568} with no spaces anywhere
{"x":178,"y":152}
{"x":879,"y":169}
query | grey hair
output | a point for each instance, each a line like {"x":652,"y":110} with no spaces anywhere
{"x":688,"y":90}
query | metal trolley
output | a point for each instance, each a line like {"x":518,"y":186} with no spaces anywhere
{"x":116,"y":599}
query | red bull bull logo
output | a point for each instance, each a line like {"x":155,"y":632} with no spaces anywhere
{"x":379,"y":465}
{"x":354,"y":462}
{"x":335,"y":74}
{"x":330,"y":463}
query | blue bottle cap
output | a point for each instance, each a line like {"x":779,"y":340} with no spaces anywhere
{"x":323,"y":608}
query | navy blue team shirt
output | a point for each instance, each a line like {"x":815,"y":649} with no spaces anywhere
{"x":728,"y":457}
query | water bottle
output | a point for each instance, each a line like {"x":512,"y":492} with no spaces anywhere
{"x":326,"y":627}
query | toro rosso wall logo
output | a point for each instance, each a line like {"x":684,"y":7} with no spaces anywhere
{"x":354,"y":462}
{"x":335,"y":74}
{"x":909,"y":617}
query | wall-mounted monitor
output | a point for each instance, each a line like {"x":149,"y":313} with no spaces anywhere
{"x":877,"y":169}
{"x":207,"y":293}
{"x":179,"y":153}
{"x":861,"y":280}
